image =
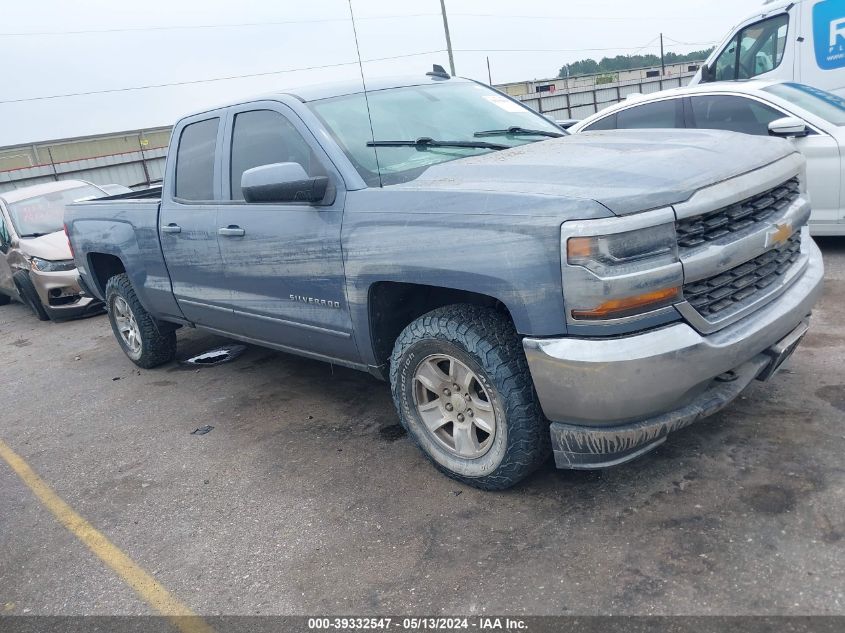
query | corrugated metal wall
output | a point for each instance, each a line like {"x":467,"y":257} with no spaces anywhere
{"x":582,"y":101}
{"x":132,"y":158}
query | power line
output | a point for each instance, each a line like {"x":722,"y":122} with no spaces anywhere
{"x":132,"y":29}
{"x":213,"y":79}
{"x":546,"y":50}
{"x":571,"y":18}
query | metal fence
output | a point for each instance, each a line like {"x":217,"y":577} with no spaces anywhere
{"x":580,"y":102}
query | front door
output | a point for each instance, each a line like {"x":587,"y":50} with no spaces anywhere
{"x":283,"y":262}
{"x":188,"y":227}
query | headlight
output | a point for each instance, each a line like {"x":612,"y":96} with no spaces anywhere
{"x":620,"y":253}
{"x":620,"y":268}
{"x":50,"y":266}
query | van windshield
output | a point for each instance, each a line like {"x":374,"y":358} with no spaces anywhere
{"x":40,"y":215}
{"x":821,"y":103}
{"x":447,"y":111}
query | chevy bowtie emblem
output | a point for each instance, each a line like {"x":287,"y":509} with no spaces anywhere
{"x":779,"y":234}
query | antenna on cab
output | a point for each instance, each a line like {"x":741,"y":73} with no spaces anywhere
{"x":366,"y":98}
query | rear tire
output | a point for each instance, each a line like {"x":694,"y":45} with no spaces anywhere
{"x":29,"y":295}
{"x":134,"y":328}
{"x":464,"y":393}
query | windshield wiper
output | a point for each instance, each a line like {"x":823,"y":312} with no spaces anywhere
{"x":426,"y":142}
{"x":519,"y":131}
{"x":34,"y":234}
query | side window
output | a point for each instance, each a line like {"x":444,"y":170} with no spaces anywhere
{"x":660,"y":114}
{"x":195,"y":160}
{"x":726,"y":63}
{"x":264,"y":137}
{"x":760,"y":50}
{"x":761,"y":46}
{"x":736,"y":114}
{"x":607,"y":123}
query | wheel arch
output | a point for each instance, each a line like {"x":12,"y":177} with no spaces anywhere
{"x":392,"y":306}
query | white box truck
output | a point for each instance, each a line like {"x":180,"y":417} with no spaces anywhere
{"x":799,"y":40}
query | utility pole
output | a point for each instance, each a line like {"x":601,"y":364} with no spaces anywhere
{"x":448,"y":39}
{"x":489,"y":76}
{"x":662,"y":63}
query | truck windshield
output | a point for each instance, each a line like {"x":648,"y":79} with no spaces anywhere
{"x":45,"y":214}
{"x":441,"y":112}
{"x":821,"y":103}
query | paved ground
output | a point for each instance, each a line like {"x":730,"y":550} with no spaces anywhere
{"x":306,"y":498}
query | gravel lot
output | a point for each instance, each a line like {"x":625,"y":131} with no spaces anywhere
{"x":306,"y":497}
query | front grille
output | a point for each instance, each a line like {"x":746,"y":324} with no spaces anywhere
{"x":707,"y":227}
{"x":744,"y":283}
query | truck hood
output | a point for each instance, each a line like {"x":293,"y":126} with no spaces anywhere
{"x":627,"y":171}
{"x":52,"y":246}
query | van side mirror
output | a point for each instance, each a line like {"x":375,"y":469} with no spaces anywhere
{"x":788,"y":127}
{"x":708,"y":74}
{"x":282,"y":182}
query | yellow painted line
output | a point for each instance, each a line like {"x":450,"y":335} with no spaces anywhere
{"x":150,"y":590}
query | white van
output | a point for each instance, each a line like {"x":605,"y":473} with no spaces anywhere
{"x":797,"y":40}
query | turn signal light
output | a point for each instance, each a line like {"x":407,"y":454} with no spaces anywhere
{"x":617,"y":308}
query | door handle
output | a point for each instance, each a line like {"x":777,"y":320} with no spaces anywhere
{"x":171,"y":228}
{"x":231,"y":231}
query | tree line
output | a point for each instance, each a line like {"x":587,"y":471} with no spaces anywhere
{"x":627,"y":62}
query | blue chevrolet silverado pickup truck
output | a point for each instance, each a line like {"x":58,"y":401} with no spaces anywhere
{"x":525,"y":292}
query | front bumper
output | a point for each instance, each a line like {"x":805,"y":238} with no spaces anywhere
{"x":610,"y":400}
{"x":62,"y":296}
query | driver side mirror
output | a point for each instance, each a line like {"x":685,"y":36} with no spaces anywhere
{"x":282,"y":182}
{"x":708,"y":73}
{"x":788,"y":127}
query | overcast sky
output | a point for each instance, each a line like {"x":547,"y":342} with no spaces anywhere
{"x":56,"y":47}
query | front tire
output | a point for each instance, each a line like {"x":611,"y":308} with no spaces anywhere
{"x":29,"y":295}
{"x":463,"y":391}
{"x":134,"y":328}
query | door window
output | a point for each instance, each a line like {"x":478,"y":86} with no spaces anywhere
{"x":195,"y":160}
{"x":660,"y":114}
{"x":264,"y":137}
{"x":760,"y":50}
{"x":726,"y":63}
{"x":736,"y":114}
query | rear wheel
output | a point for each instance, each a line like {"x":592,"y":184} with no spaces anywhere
{"x":135,"y":330}
{"x":463,"y":390}
{"x":29,"y":295}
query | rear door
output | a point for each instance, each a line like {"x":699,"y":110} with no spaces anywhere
{"x":283,"y":261}
{"x":188,"y":223}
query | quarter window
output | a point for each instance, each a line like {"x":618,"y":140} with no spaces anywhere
{"x":607,"y":123}
{"x":264,"y":137}
{"x":736,"y":114}
{"x":195,"y":160}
